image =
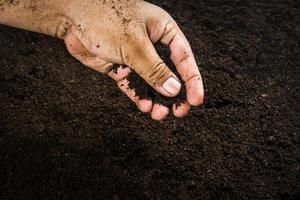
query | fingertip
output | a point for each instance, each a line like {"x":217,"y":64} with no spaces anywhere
{"x":197,"y":99}
{"x":145,"y":105}
{"x":181,"y":110}
{"x":195,"y":91}
{"x":159,"y":112}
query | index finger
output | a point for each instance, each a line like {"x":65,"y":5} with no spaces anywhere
{"x":183,"y":58}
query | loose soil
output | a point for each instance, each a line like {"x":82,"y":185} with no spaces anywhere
{"x":68,"y":133}
{"x":144,"y":91}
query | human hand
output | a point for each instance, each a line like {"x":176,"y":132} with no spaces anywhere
{"x":104,"y":33}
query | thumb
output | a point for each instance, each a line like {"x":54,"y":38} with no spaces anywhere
{"x":142,"y":57}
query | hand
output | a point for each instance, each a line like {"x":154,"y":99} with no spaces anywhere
{"x":104,"y":34}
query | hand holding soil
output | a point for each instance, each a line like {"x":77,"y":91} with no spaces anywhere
{"x":67,"y":132}
{"x":103,"y":34}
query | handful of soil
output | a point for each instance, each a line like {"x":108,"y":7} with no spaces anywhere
{"x":144,"y":91}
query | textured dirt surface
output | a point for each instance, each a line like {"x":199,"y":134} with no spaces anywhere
{"x":68,"y":133}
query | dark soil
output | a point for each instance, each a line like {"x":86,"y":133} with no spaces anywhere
{"x":144,"y":91}
{"x":68,"y":133}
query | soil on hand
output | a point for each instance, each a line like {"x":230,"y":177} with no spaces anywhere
{"x":144,"y":91}
{"x":66,"y":132}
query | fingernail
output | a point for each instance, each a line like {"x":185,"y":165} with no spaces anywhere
{"x":172,"y":86}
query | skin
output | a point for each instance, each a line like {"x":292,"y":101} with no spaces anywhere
{"x":106,"y":32}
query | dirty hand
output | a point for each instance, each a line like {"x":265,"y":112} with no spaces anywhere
{"x":103,"y":33}
{"x":124,"y":33}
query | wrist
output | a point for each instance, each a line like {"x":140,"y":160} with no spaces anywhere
{"x":43,"y":16}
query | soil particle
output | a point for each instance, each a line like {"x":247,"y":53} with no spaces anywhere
{"x":271,"y":139}
{"x":115,"y":68}
{"x":38,"y":72}
{"x":192,"y":185}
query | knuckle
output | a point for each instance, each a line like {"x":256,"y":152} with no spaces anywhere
{"x":169,"y":33}
{"x":157,"y":73}
{"x":186,"y":55}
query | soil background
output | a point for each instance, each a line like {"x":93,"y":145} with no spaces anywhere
{"x":68,"y":133}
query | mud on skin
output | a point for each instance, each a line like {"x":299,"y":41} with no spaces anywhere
{"x":30,"y":4}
